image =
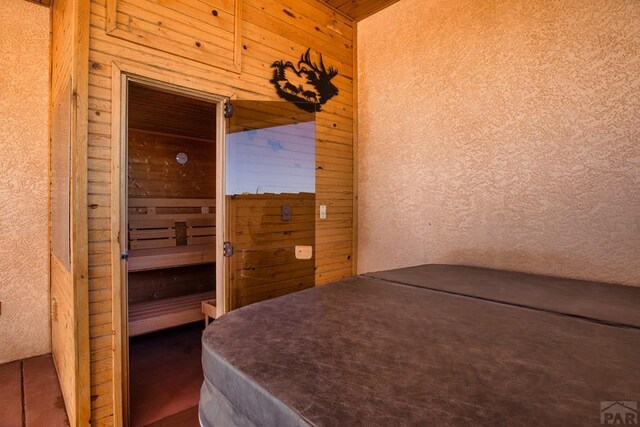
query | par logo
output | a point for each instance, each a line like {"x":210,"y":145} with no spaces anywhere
{"x":619,"y":412}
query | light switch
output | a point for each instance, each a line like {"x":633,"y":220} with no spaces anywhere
{"x":304,"y":252}
{"x":323,"y":211}
{"x":286,"y":212}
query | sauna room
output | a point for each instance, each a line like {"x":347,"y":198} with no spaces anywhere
{"x":171,"y":175}
{"x":319,"y":212}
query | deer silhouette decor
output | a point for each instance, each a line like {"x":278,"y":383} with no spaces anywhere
{"x":308,"y":85}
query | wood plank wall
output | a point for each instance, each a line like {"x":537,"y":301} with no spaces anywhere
{"x":264,"y":265}
{"x":271,"y":30}
{"x":145,"y":286}
{"x":70,"y":323}
{"x":62,"y":296}
{"x":154,"y":172}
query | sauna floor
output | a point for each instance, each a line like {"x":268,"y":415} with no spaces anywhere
{"x":165,"y":376}
{"x":30,"y":394}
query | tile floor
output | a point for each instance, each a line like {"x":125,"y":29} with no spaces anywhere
{"x":165,"y":380}
{"x":30,"y":394}
{"x":165,"y":374}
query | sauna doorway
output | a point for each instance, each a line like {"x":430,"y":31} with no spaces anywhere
{"x":171,"y":155}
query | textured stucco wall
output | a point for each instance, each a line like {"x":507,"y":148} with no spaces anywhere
{"x":24,"y":164}
{"x":501,"y":133}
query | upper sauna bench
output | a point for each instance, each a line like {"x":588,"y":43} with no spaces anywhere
{"x":167,"y":233}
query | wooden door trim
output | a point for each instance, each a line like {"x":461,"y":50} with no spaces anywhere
{"x":122,"y":73}
{"x":118,"y":222}
{"x":79,"y":208}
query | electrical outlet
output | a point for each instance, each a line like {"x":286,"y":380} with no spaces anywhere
{"x":304,"y":252}
{"x":323,"y":211}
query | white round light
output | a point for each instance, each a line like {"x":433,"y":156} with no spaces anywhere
{"x":182,"y":158}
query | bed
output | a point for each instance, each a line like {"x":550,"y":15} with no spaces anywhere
{"x":427,"y":345}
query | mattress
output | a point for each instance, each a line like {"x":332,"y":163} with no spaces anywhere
{"x":428,"y":345}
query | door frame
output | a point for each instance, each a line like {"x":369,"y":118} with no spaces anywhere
{"x":121,"y":75}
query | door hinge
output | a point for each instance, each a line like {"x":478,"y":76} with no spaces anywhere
{"x":227,"y":249}
{"x":124,"y":256}
{"x":54,"y":310}
{"x":228,"y":109}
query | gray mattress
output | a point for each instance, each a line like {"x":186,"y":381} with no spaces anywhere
{"x":428,"y":345}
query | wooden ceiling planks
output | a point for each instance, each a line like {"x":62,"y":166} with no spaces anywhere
{"x":155,"y":110}
{"x":42,"y":2}
{"x":359,"y":9}
{"x":356,"y":9}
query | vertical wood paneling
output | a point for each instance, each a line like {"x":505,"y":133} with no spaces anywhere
{"x":69,"y":288}
{"x":62,"y":339}
{"x":271,"y":30}
{"x":79,"y":205}
{"x":62,"y":320}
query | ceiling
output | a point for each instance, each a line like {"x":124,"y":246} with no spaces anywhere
{"x":155,"y":110}
{"x":42,"y":2}
{"x":356,"y":9}
{"x":359,"y":9}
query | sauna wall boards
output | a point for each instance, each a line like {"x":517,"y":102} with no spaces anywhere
{"x":206,"y":32}
{"x":94,"y":42}
{"x":70,"y":297}
{"x":154,"y":172}
{"x":150,"y":285}
{"x":61,"y":178}
{"x":266,"y":265}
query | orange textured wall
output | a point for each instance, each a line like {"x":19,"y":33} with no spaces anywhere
{"x":501,"y":133}
{"x":24,"y":165}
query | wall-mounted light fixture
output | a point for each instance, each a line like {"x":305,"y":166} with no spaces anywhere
{"x":182,"y":158}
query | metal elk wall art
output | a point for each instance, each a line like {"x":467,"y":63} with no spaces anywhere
{"x":308,"y":84}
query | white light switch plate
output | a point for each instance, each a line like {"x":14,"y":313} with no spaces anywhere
{"x":304,"y":252}
{"x":323,"y":211}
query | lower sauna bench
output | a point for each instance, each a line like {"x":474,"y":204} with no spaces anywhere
{"x":165,"y":313}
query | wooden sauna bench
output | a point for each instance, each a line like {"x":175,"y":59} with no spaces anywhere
{"x":166,"y":313}
{"x":168,"y":233}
